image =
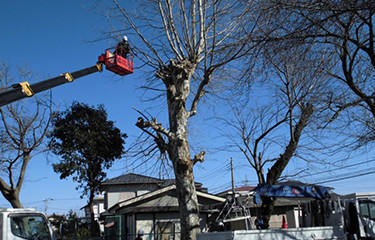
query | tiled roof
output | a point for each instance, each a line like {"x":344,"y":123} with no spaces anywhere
{"x":132,"y":178}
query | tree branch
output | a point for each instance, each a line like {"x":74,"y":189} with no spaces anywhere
{"x":275,"y":172}
{"x":199,"y":157}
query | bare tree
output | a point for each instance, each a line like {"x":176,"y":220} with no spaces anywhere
{"x":187,"y":44}
{"x":345,"y":30}
{"x":23,"y":128}
{"x":268,"y":131}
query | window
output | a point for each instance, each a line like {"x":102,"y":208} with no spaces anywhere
{"x":364,"y":209}
{"x":367,"y":209}
{"x":372,"y":210}
{"x":29,"y":227}
{"x":166,"y":230}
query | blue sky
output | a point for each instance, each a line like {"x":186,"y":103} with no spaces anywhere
{"x":51,"y":38}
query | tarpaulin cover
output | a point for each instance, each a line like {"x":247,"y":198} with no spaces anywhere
{"x":317,"y":192}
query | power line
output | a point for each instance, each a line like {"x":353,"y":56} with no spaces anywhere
{"x":338,"y":177}
{"x":340,"y":168}
{"x":66,"y":199}
{"x":348,"y":177}
{"x":215,"y":172}
{"x":59,"y":199}
{"x":28,"y":203}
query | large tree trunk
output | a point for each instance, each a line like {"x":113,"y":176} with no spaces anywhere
{"x":12,"y":196}
{"x":176,"y":77}
{"x":177,"y":81}
{"x":187,"y":197}
{"x":179,"y":153}
{"x":94,"y":228}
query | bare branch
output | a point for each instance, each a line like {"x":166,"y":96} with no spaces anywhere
{"x":137,"y":31}
{"x":199,"y":157}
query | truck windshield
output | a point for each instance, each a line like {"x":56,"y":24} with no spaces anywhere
{"x":31,"y":227}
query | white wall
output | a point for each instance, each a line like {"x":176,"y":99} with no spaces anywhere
{"x":116,"y":194}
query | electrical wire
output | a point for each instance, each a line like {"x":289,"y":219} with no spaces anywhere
{"x":347,"y":177}
{"x":340,"y":177}
{"x":214,"y":172}
{"x":339,"y":168}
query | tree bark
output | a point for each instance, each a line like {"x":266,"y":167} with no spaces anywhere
{"x":187,"y":198}
{"x":276,"y":170}
{"x":176,"y":76}
{"x":93,"y":224}
{"x":94,"y":230}
{"x":12,"y":196}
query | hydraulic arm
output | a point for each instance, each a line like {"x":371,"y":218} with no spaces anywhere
{"x":23,"y":90}
{"x":113,"y":59}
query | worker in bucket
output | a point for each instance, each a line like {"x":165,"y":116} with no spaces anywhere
{"x":123,"y":47}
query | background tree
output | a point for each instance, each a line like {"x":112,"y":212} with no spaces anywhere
{"x":269,"y":128}
{"x":88,"y":144}
{"x":344,"y":31}
{"x":23,"y":127}
{"x":186,"y":44}
{"x":338,"y":35}
{"x":70,"y":226}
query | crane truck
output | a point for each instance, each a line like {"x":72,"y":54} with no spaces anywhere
{"x":346,"y":217}
{"x":113,"y":59}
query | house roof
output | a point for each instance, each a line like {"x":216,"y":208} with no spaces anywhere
{"x":171,"y":189}
{"x":132,"y":178}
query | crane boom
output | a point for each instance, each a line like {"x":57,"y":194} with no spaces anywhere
{"x":23,"y":90}
{"x":116,"y":61}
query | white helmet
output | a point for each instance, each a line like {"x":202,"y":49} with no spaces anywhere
{"x":125,"y":38}
{"x":141,"y":232}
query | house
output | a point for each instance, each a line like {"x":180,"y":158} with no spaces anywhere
{"x":97,"y":208}
{"x":135,"y":202}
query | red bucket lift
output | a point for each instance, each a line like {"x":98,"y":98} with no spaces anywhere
{"x":115,"y":61}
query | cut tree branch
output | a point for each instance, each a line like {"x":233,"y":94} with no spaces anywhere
{"x":199,"y":157}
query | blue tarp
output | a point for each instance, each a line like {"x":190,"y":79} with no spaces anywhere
{"x":317,"y":192}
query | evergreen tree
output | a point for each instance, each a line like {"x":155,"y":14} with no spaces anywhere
{"x":88,"y":143}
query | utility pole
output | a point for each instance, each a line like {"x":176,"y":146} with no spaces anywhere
{"x":235,"y":210}
{"x":232,"y":172}
{"x":46,"y":205}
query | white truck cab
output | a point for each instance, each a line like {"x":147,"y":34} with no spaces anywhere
{"x":360,"y":215}
{"x":24,"y":223}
